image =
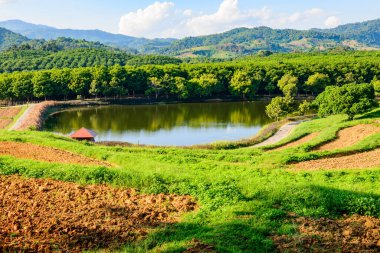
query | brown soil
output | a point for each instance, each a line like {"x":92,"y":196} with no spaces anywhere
{"x":7,"y":115}
{"x":9,"y":112}
{"x":199,"y":247}
{"x":4,"y":123}
{"x":34,"y":117}
{"x":349,"y":136}
{"x":43,"y":215}
{"x":353,"y":234}
{"x":46,"y":154}
{"x":303,"y":140}
{"x":364,"y":160}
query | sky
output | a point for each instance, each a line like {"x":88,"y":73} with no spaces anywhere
{"x":182,"y":18}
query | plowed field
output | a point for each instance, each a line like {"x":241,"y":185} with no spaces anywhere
{"x":349,"y":136}
{"x":42,"y":215}
{"x":353,"y":234}
{"x":46,"y":154}
{"x":369,"y":159}
{"x":7,"y":115}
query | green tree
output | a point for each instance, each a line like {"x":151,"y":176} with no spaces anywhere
{"x":80,"y":81}
{"x":61,"y":80}
{"x":42,"y":85}
{"x":23,"y":86}
{"x":317,"y":83}
{"x":350,"y":99}
{"x":155,"y":86}
{"x":304,"y":107}
{"x":100,"y":80}
{"x":6,"y":87}
{"x":288,"y":85}
{"x":242,"y":84}
{"x":181,"y":87}
{"x":205,"y":85}
{"x":376,"y":85}
{"x":277,"y":108}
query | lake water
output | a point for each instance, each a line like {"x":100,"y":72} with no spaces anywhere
{"x":168,"y":124}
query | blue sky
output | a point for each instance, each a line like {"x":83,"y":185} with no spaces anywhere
{"x":179,"y":18}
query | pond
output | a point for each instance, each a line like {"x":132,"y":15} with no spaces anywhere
{"x":167,"y":124}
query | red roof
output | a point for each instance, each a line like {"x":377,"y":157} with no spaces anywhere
{"x":83,"y":133}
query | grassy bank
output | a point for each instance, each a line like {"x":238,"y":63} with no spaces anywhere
{"x":244,"y":194}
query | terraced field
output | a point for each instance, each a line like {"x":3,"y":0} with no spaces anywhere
{"x":7,"y":115}
{"x":281,"y":197}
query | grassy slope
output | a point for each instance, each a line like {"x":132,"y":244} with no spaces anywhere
{"x":244,"y":194}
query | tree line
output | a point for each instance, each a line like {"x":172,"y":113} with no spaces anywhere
{"x":246,"y":78}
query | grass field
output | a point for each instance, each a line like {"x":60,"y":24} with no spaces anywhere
{"x":245,"y":195}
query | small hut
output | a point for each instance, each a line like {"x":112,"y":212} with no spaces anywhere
{"x":83,"y":134}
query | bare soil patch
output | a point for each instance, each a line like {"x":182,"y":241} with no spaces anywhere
{"x":352,"y":234}
{"x":349,"y":136}
{"x":363,"y":160}
{"x":43,"y":215}
{"x":7,"y":115}
{"x":4,"y":123}
{"x":45,"y":154}
{"x":9,"y":112}
{"x":298,"y":142}
{"x":33,"y":116}
{"x":198,"y":246}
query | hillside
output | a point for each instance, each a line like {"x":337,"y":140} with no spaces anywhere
{"x":245,"y":41}
{"x":8,"y":38}
{"x":33,"y":31}
{"x":70,"y":53}
{"x":365,"y":32}
{"x":230,"y":44}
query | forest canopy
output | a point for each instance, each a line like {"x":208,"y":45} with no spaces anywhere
{"x":246,"y":77}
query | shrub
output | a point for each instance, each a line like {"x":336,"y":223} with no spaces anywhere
{"x":350,"y":99}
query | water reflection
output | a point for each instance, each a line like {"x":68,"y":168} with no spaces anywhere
{"x":169,"y":124}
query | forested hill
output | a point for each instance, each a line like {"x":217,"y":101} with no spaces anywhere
{"x":231,"y":44}
{"x":366,"y":32}
{"x":8,"y":38}
{"x":70,"y":53}
{"x":245,"y":41}
{"x":33,"y":31}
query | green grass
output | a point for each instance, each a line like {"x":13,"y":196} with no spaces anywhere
{"x":244,"y":194}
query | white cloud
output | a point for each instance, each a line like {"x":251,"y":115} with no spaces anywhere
{"x":163,"y":19}
{"x":146,"y":22}
{"x":228,"y":16}
{"x":332,"y":22}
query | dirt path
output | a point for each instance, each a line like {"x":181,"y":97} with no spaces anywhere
{"x":23,"y":117}
{"x":43,"y":215}
{"x":281,"y":134}
{"x":46,"y":154}
{"x":364,"y":160}
{"x":350,"y":136}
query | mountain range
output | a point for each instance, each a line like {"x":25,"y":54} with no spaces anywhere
{"x":233,"y":43}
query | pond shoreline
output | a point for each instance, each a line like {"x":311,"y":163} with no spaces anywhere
{"x":36,"y":116}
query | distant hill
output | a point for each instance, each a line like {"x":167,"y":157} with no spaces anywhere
{"x":8,"y":39}
{"x":230,"y":44}
{"x":367,"y":32}
{"x":245,"y":41}
{"x":71,"y":53}
{"x":33,"y":31}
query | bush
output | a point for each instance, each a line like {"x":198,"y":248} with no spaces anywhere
{"x":350,"y":99}
{"x":279,"y":107}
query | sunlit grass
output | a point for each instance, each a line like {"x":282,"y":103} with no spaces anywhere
{"x":244,"y":194}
